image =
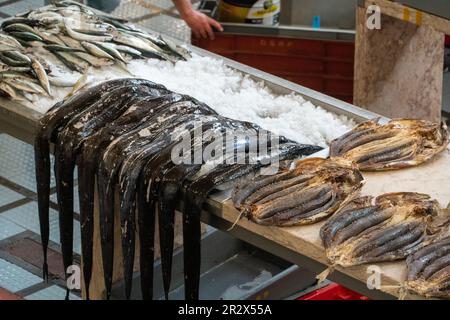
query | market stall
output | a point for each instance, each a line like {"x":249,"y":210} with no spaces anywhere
{"x":299,"y":244}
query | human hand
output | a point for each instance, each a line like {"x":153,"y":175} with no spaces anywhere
{"x":201,"y":24}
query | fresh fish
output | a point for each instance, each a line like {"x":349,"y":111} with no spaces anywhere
{"x":41,"y":75}
{"x":96,"y":51}
{"x":108,"y":48}
{"x":25,"y":36}
{"x":85,"y":37}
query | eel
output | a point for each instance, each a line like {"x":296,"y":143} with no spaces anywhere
{"x":195,"y":195}
{"x":141,"y":143}
{"x":69,"y":142}
{"x":88,"y":157}
{"x":48,"y":128}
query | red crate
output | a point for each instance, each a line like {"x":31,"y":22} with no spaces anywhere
{"x":333,"y":292}
{"x":322,"y":65}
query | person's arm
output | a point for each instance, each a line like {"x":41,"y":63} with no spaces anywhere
{"x":200,"y":23}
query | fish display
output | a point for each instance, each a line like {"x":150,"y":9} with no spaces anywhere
{"x":78,"y":38}
{"x":121,"y":136}
{"x":387,"y":228}
{"x":428,"y":270}
{"x":398,"y":144}
{"x":309,"y":193}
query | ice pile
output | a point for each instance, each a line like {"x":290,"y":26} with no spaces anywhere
{"x":230,"y":93}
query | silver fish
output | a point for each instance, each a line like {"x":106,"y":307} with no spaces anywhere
{"x":41,"y":75}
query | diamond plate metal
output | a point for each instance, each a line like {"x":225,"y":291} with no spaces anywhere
{"x":76,"y":201}
{"x":17,"y":162}
{"x":8,"y":228}
{"x":22,"y":6}
{"x":8,"y":196}
{"x":26,"y":216}
{"x":170,"y":26}
{"x":51,"y":293}
{"x":15,"y":278}
{"x":129,"y":10}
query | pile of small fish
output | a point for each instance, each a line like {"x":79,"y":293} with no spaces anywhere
{"x":397,"y":144}
{"x":387,"y":228}
{"x":311,"y":192}
{"x":121,"y":135}
{"x":78,"y":38}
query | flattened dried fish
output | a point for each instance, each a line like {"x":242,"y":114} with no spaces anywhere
{"x":397,"y":144}
{"x":385,"y":229}
{"x":310,"y":192}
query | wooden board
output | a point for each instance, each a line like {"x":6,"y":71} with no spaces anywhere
{"x":398,"y":68}
{"x":427,"y":178}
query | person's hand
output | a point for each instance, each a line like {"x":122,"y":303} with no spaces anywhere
{"x":201,"y":24}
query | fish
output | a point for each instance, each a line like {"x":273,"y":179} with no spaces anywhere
{"x":386,"y":228}
{"x":39,"y":70}
{"x":96,"y":51}
{"x":25,"y":36}
{"x":8,"y":60}
{"x":48,"y":128}
{"x":195,"y":195}
{"x":110,"y":50}
{"x":86,"y":37}
{"x":122,"y":135}
{"x":69,"y":141}
{"x":309,"y":193}
{"x":24,"y":85}
{"x":9,"y":90}
{"x":428,"y":270}
{"x":398,"y":144}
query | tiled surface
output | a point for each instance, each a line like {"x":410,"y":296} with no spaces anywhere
{"x":9,"y":228}
{"x":51,"y":293}
{"x":14,"y":278}
{"x":17,"y":162}
{"x":26,"y":216}
{"x":8,"y":196}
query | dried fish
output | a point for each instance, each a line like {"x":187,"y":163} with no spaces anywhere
{"x":388,"y":228}
{"x":397,"y":144}
{"x":310,"y":192}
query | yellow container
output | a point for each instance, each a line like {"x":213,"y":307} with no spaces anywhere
{"x":266,"y":12}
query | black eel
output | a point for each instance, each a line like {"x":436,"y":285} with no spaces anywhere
{"x":154,"y":134}
{"x":166,"y":182}
{"x":123,"y":132}
{"x":49,"y":126}
{"x":143,"y":109}
{"x":67,"y":146}
{"x":129,"y":173}
{"x":138,"y":111}
{"x":195,"y":195}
